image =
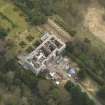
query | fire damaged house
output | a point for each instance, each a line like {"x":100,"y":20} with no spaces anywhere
{"x":37,"y":60}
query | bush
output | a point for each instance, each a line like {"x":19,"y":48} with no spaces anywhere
{"x":22,"y":44}
{"x":37,"y":43}
{"x":30,"y":38}
{"x":29,"y":49}
{"x":82,"y":74}
{"x":3,"y":33}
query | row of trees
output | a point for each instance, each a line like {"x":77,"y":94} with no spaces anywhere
{"x":36,"y":10}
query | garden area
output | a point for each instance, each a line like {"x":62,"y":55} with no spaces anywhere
{"x":19,"y":35}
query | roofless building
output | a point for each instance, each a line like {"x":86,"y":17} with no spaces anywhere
{"x":37,"y":60}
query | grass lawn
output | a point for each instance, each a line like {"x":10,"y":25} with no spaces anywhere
{"x":2,"y":3}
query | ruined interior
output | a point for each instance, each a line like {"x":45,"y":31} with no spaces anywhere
{"x":50,"y":47}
